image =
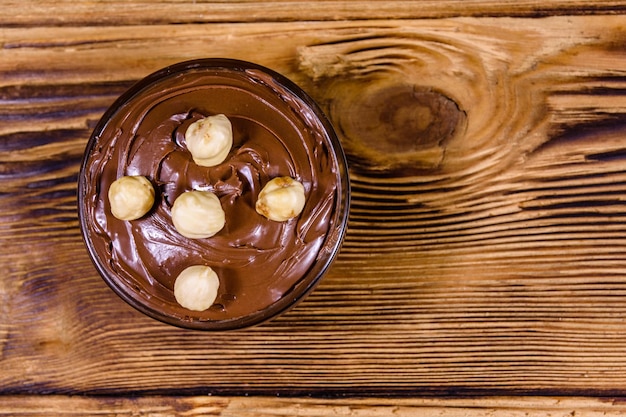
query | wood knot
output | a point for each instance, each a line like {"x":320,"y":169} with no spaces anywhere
{"x":396,"y":128}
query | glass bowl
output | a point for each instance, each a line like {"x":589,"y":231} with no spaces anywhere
{"x":265,"y":267}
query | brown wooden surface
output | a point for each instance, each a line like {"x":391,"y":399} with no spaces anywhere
{"x":486,"y":251}
{"x":65,"y":406}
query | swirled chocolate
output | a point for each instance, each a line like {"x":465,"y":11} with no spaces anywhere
{"x":259,"y":262}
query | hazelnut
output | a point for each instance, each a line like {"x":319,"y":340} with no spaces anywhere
{"x":131,"y":197}
{"x":209,"y":140}
{"x":281,"y":199}
{"x":196,"y":287}
{"x":198,"y":214}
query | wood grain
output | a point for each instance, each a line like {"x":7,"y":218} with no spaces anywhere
{"x":111,"y":12}
{"x":487,"y":235}
{"x":22,"y":406}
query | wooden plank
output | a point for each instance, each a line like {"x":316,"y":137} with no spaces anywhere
{"x":85,"y":13}
{"x":22,"y":406}
{"x":486,"y":256}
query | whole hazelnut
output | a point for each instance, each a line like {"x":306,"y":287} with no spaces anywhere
{"x":131,"y":197}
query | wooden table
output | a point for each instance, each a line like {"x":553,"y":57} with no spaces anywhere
{"x":484,"y":270}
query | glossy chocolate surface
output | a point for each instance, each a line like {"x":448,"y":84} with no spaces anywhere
{"x":264,"y":266}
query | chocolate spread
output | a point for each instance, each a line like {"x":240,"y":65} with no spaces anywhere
{"x":258,"y":261}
